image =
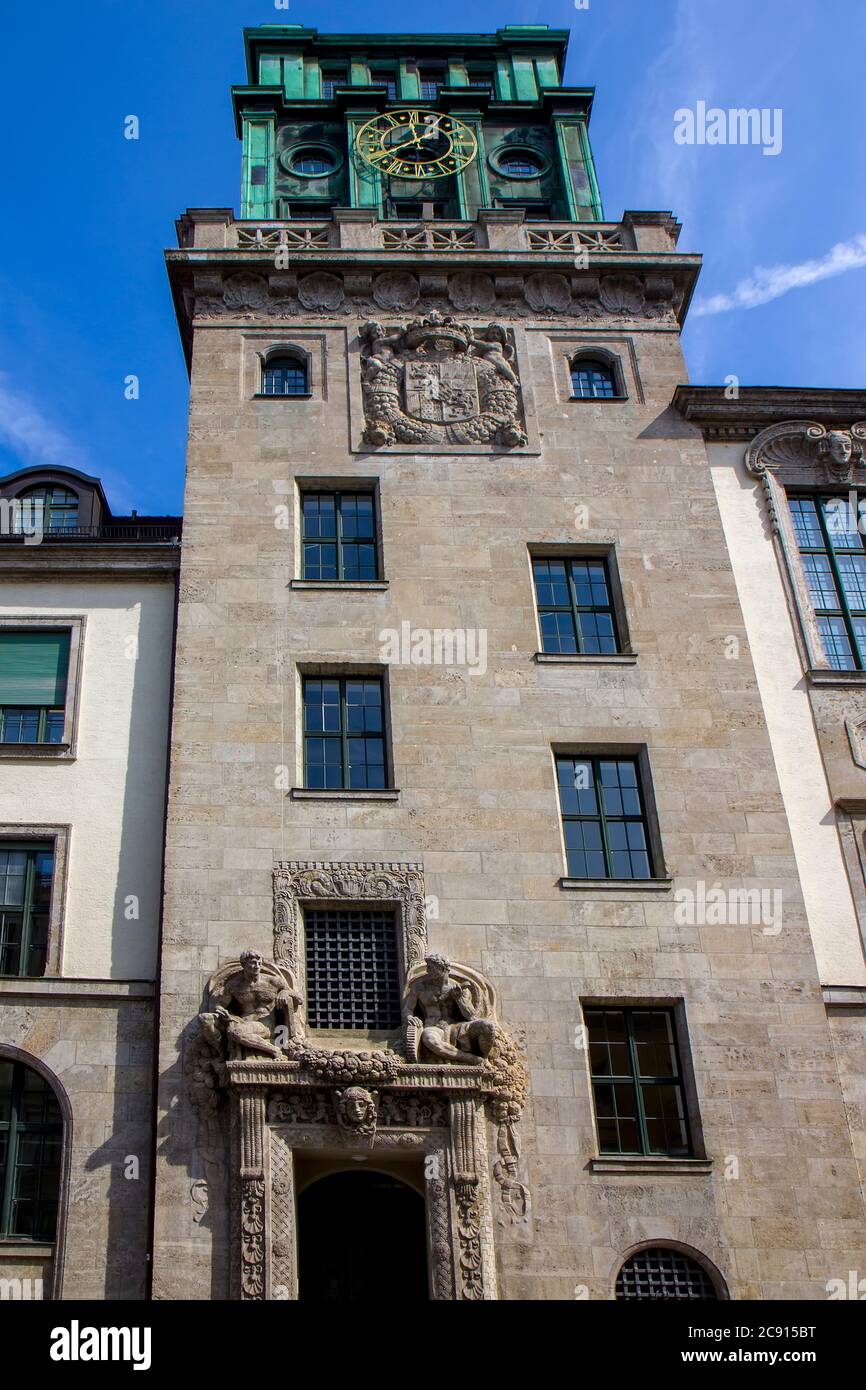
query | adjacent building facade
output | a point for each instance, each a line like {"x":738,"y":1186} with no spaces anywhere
{"x":86,"y":621}
{"x":510,"y":886}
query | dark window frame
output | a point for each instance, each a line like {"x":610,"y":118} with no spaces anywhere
{"x":50,"y":507}
{"x":333,"y":77}
{"x":604,"y":820}
{"x":637,"y":1081}
{"x":844,"y":611}
{"x":573,"y":608}
{"x":282,"y":360}
{"x":339,"y":541}
{"x":13,"y":1128}
{"x":596,"y":365}
{"x":29,"y":909}
{"x":345,"y":733}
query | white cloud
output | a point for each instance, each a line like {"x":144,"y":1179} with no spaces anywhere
{"x":764,"y":285}
{"x":27,"y":433}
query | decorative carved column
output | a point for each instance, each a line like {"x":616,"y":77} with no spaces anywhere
{"x":251,"y":1135}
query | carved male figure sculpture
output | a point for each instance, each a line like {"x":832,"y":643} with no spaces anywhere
{"x":450,"y":1028}
{"x":247,"y":1000}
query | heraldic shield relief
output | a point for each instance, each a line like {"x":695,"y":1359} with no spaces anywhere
{"x":440,"y":381}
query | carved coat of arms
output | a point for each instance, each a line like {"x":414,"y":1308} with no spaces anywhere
{"x":438,"y":381}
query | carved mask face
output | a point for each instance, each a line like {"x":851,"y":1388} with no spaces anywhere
{"x":839,"y":446}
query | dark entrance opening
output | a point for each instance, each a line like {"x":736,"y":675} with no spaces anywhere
{"x":357,"y":1234}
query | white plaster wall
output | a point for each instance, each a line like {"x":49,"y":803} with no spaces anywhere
{"x":826,"y":889}
{"x":112,"y":795}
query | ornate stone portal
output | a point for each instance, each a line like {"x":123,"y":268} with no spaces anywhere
{"x":428,"y":1096}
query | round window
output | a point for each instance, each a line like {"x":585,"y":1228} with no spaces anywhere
{"x":310,"y":161}
{"x":520,"y":163}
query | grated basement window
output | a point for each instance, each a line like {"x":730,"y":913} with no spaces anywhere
{"x":353,"y":977}
{"x":663,"y":1274}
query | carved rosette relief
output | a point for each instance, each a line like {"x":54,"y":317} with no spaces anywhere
{"x":440,"y":381}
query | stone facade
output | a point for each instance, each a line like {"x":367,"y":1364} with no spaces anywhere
{"x":437,"y":359}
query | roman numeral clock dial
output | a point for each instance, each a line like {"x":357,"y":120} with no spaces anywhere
{"x":416,"y":144}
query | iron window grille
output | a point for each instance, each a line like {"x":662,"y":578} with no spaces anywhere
{"x":352,"y":964}
{"x":663,"y":1274}
{"x":344,"y":737}
{"x":285,"y":376}
{"x":31,"y":1138}
{"x":637,"y":1082}
{"x":575,"y":609}
{"x":26,"y":874}
{"x":592,"y":379}
{"x":834,"y":560}
{"x":604,"y":818}
{"x":338,"y":532}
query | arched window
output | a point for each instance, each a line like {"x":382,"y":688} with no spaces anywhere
{"x":31,"y":1143}
{"x":593,"y":379}
{"x":662,"y":1273}
{"x":285,"y":376}
{"x":56,"y":505}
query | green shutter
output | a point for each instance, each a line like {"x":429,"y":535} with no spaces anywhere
{"x":33,"y":668}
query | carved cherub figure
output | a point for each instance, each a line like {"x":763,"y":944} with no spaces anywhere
{"x":247,"y":1000}
{"x":496,"y":351}
{"x":450,"y":1028}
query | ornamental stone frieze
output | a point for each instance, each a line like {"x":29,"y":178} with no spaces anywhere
{"x":621,"y":297}
{"x":430,"y":1094}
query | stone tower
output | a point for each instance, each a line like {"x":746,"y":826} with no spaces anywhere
{"x":465,"y":979}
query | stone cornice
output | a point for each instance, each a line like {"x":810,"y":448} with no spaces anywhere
{"x":757,"y":407}
{"x":46,"y":562}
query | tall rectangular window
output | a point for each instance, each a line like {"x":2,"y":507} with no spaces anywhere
{"x":26,"y":872}
{"x":338,"y":534}
{"x":831,"y":545}
{"x":332,"y":78}
{"x":353,"y":979}
{"x":344,"y":733}
{"x":637,"y":1082}
{"x":31,"y":1137}
{"x":575,"y":608}
{"x":604,"y":818}
{"x":431,"y":76}
{"x":34,"y":665}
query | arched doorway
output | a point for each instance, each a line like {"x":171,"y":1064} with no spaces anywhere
{"x":360,"y":1232}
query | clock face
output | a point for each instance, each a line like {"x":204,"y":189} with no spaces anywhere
{"x":416,"y":144}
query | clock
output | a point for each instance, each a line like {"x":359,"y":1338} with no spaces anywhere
{"x":416,"y":144}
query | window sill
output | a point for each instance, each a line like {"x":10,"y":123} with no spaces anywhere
{"x":54,"y":752}
{"x":586,"y":658}
{"x":597,"y":400}
{"x":344,"y":794}
{"x":297,"y":396}
{"x":16,"y":1248}
{"x":617,"y":885}
{"x":824,"y":675}
{"x":648,"y":1163}
{"x":376,"y":586}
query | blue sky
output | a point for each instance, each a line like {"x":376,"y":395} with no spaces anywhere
{"x":84,"y":299}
